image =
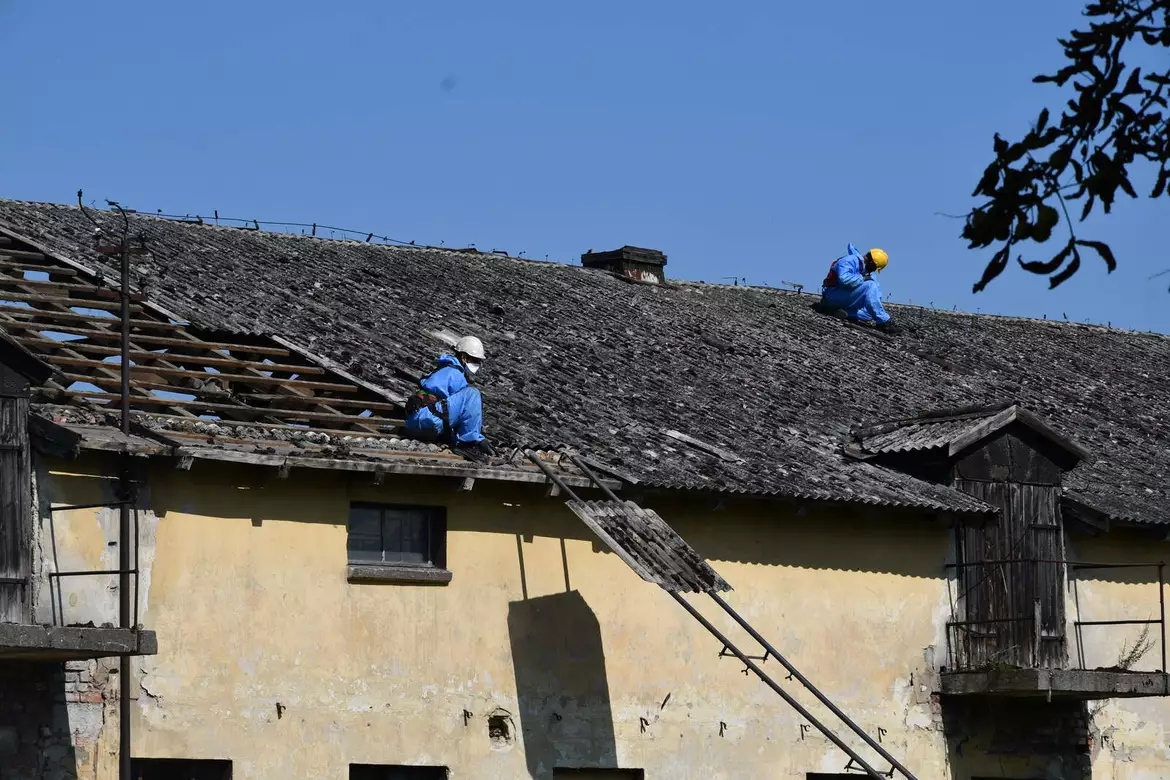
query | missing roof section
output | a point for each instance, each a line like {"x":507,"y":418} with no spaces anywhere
{"x":179,"y":372}
{"x":649,"y":546}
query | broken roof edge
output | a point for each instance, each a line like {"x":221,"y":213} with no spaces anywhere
{"x":94,"y":276}
{"x":22,"y":360}
{"x":112,"y":440}
{"x":336,"y":368}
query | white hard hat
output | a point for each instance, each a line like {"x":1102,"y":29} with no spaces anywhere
{"x":470,"y":346}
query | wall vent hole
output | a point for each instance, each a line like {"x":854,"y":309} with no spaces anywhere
{"x":501,"y":731}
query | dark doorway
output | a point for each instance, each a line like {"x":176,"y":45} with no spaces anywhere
{"x":180,"y":769}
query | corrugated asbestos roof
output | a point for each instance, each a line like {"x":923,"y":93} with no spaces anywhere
{"x":955,"y":431}
{"x":579,"y":357}
{"x":651,"y":547}
{"x":919,"y":435}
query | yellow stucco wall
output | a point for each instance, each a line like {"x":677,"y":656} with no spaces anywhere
{"x":270,"y":657}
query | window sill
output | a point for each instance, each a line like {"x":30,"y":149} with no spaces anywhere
{"x":379,"y":572}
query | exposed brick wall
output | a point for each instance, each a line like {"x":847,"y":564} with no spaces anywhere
{"x":1054,"y":735}
{"x":35,"y":739}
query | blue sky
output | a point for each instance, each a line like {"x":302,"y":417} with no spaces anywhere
{"x":743,"y":139}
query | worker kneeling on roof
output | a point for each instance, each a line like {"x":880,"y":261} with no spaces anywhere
{"x":448,"y":408}
{"x":851,"y":286}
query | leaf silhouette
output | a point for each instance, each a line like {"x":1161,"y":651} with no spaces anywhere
{"x":994,"y":268}
{"x":1101,"y":248}
{"x":1047,"y":267}
{"x":1069,"y":270}
{"x":1115,"y":119}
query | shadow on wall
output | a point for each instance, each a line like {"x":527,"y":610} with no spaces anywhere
{"x":895,"y":541}
{"x":1141,"y":549}
{"x":1020,"y":738}
{"x":905,"y":542}
{"x":561,"y":685}
{"x":35,"y":737}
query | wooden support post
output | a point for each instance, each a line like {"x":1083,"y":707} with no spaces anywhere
{"x":1036,"y":635}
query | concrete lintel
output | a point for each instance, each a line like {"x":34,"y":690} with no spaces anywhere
{"x":1082,"y":684}
{"x":51,"y":643}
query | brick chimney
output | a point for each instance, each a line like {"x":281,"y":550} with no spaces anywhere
{"x":644,"y":265}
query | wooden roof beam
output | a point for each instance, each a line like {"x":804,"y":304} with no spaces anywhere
{"x":104,"y":367}
{"x":87,"y":303}
{"x":72,"y":316}
{"x":52,"y":270}
{"x":300,"y":390}
{"x":204,"y":375}
{"x":22,"y":254}
{"x":240,"y":409}
{"x":172,"y":357}
{"x":116,"y":336}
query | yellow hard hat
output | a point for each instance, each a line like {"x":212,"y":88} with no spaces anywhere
{"x":879,"y":257}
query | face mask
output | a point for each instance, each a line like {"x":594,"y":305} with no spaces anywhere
{"x":472,"y":368}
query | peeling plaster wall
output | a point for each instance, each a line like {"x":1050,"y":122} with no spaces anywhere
{"x":85,"y":693}
{"x":269,"y":657}
{"x":1131,"y":737}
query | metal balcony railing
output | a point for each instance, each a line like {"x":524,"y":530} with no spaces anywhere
{"x":1007,"y":633}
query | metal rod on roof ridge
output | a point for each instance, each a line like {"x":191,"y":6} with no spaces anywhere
{"x":560,"y":483}
{"x":775,"y":686}
{"x":821,"y":697}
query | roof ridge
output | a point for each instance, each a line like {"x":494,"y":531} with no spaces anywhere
{"x":201,"y":221}
{"x":678,"y":283}
{"x":931,"y":309}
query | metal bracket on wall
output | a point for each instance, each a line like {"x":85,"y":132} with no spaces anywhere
{"x":726,"y":653}
{"x":649,"y":546}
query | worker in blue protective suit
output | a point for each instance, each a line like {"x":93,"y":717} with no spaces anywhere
{"x":448,"y":408}
{"x":851,"y":286}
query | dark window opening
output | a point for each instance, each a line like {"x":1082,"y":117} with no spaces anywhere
{"x":381,"y":534}
{"x":396,"y":772}
{"x":180,"y":769}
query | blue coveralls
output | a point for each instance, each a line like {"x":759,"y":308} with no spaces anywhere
{"x":464,"y":406}
{"x":855,"y":291}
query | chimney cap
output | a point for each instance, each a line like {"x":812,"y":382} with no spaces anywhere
{"x":628,"y":254}
{"x":631,"y":262}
